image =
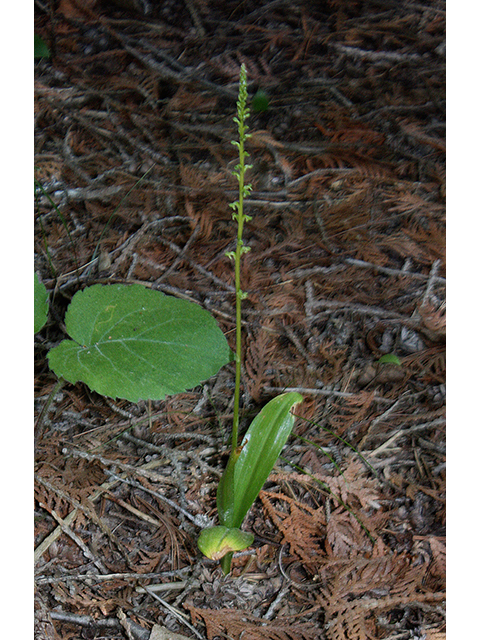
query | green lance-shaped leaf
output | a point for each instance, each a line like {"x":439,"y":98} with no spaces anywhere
{"x":260,"y":449}
{"x":216,"y":542}
{"x":390,"y":358}
{"x":40,"y":305}
{"x":135,"y":343}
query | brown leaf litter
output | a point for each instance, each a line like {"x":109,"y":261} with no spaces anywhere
{"x":133,"y":119}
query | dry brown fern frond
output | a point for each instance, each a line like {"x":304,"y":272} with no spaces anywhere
{"x":343,"y":128}
{"x":259,"y":359}
{"x":179,"y":410}
{"x":345,"y":537}
{"x":346,"y":159}
{"x":332,"y":360}
{"x":429,"y":364}
{"x":351,"y":622}
{"x":142,"y":561}
{"x":348,"y":597}
{"x":411,"y":582}
{"x":404,"y":245}
{"x":50,"y":500}
{"x":415,"y":130}
{"x":211,"y":215}
{"x":48,"y":166}
{"x":256,"y":278}
{"x":236,"y":624}
{"x":430,"y":236}
{"x":351,"y":486}
{"x":65,"y":481}
{"x":89,"y":600}
{"x":357,"y":619}
{"x":347,"y":215}
{"x":284,"y":306}
{"x":301,"y":526}
{"x":434,"y":320}
{"x":363,"y":575}
{"x":192,"y":177}
{"x":188,"y":101}
{"x":352,"y":410}
{"x":344,"y":532}
{"x":410,"y":203}
{"x":200,"y":217}
{"x":437,"y":567}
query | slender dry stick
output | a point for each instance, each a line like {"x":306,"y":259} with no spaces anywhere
{"x":114,"y":212}
{"x":41,"y":418}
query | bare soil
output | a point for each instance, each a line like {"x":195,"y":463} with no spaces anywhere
{"x":133,"y":165}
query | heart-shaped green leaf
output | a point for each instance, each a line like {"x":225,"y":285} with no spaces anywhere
{"x":40,"y":305}
{"x":135,"y":343}
{"x":260,"y":448}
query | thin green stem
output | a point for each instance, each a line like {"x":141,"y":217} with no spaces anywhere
{"x":238,"y":359}
{"x":226,"y":563}
{"x":238,"y":302}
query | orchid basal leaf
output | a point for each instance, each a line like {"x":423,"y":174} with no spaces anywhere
{"x":260,"y":449}
{"x":216,"y":542}
{"x":225,"y":490}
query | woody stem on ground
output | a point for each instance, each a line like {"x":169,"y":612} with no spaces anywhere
{"x":243,"y":189}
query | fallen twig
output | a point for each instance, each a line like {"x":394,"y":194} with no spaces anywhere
{"x":138,"y":632}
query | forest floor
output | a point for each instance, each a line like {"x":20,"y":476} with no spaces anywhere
{"x":133,"y":160}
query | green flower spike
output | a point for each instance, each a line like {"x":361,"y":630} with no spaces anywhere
{"x":249,"y":464}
